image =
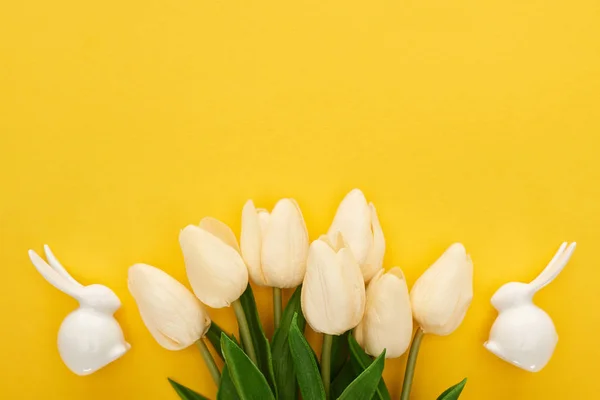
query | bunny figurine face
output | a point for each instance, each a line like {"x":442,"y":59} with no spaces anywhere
{"x":512,"y":294}
{"x":523,"y":334}
{"x":101,"y":298}
{"x":89,"y":337}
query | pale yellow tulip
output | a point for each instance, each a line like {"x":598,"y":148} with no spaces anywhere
{"x":358,"y":223}
{"x":275,"y":245}
{"x":172,"y":314}
{"x":333,"y":292}
{"x":213,"y":263}
{"x":387,"y":322}
{"x":441,"y":296}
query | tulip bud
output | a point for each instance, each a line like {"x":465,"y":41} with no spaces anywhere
{"x":172,"y":314}
{"x":358,"y":223}
{"x":387,"y":323}
{"x":213,"y":263}
{"x":275,"y":245}
{"x":441,"y":296}
{"x":333,"y":292}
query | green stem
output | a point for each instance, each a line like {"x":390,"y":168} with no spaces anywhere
{"x":411,"y":364}
{"x":209,"y":360}
{"x":276,"y":306}
{"x":326,"y":362}
{"x":245,"y":331}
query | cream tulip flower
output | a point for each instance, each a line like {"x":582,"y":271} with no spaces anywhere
{"x":216,"y":270}
{"x":440,"y":299}
{"x":213,"y":263}
{"x":172,"y":314}
{"x":358,"y":223}
{"x":441,"y":296}
{"x":387,"y":322}
{"x":275,"y":245}
{"x":333,"y":292}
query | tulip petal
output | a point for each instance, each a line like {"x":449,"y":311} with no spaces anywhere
{"x":374,"y":262}
{"x":215,"y":270}
{"x":172,"y":314}
{"x":263,"y":219}
{"x":441,"y":296}
{"x":336,"y":241}
{"x":387,"y":322}
{"x":285,"y":246}
{"x":220,"y":230}
{"x":251,"y":242}
{"x":315,"y":289}
{"x":354,"y":283}
{"x":353,"y":220}
{"x":333,"y":293}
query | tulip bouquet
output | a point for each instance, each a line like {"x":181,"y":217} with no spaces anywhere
{"x":342,"y":291}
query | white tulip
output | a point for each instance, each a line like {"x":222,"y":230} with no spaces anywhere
{"x":358,"y":223}
{"x":387,"y":323}
{"x":441,"y":296}
{"x":275,"y":245}
{"x":333,"y":292}
{"x":172,"y":314}
{"x":213,"y":263}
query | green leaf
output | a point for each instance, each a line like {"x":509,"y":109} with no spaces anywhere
{"x":360,"y":361}
{"x":186,"y":393}
{"x":365,"y":385}
{"x":259,"y":339}
{"x":249,"y":382}
{"x":453,"y":392}
{"x":226,"y":387}
{"x":339,"y":353}
{"x":342,"y":380}
{"x":307,"y":372}
{"x":283,"y":364}
{"x":214,"y":337}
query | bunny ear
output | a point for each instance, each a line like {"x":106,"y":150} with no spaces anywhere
{"x":55,"y":278}
{"x":556,"y":265}
{"x":557,"y":255}
{"x":57,"y":266}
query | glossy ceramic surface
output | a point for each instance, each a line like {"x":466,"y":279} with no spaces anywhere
{"x":90,"y":337}
{"x":524,"y":334}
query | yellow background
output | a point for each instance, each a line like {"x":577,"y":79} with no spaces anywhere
{"x":472,"y":121}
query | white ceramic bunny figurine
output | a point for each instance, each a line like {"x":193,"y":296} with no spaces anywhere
{"x":523,"y":334}
{"x":89,"y":337}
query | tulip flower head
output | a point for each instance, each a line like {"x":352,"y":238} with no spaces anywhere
{"x":333,"y":292}
{"x":275,"y":245}
{"x":358,"y":223}
{"x":441,"y":296}
{"x":213,"y":262}
{"x":172,"y":314}
{"x":387,"y":322}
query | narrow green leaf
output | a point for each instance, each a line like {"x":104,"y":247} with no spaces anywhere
{"x":339,"y":353}
{"x":214,"y":337}
{"x":249,"y":382}
{"x":365,"y":385}
{"x":283,"y":364}
{"x":342,"y":380}
{"x":261,"y":343}
{"x":360,"y":361}
{"x":226,"y":387}
{"x":186,"y":393}
{"x":453,"y":392}
{"x":307,"y":372}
